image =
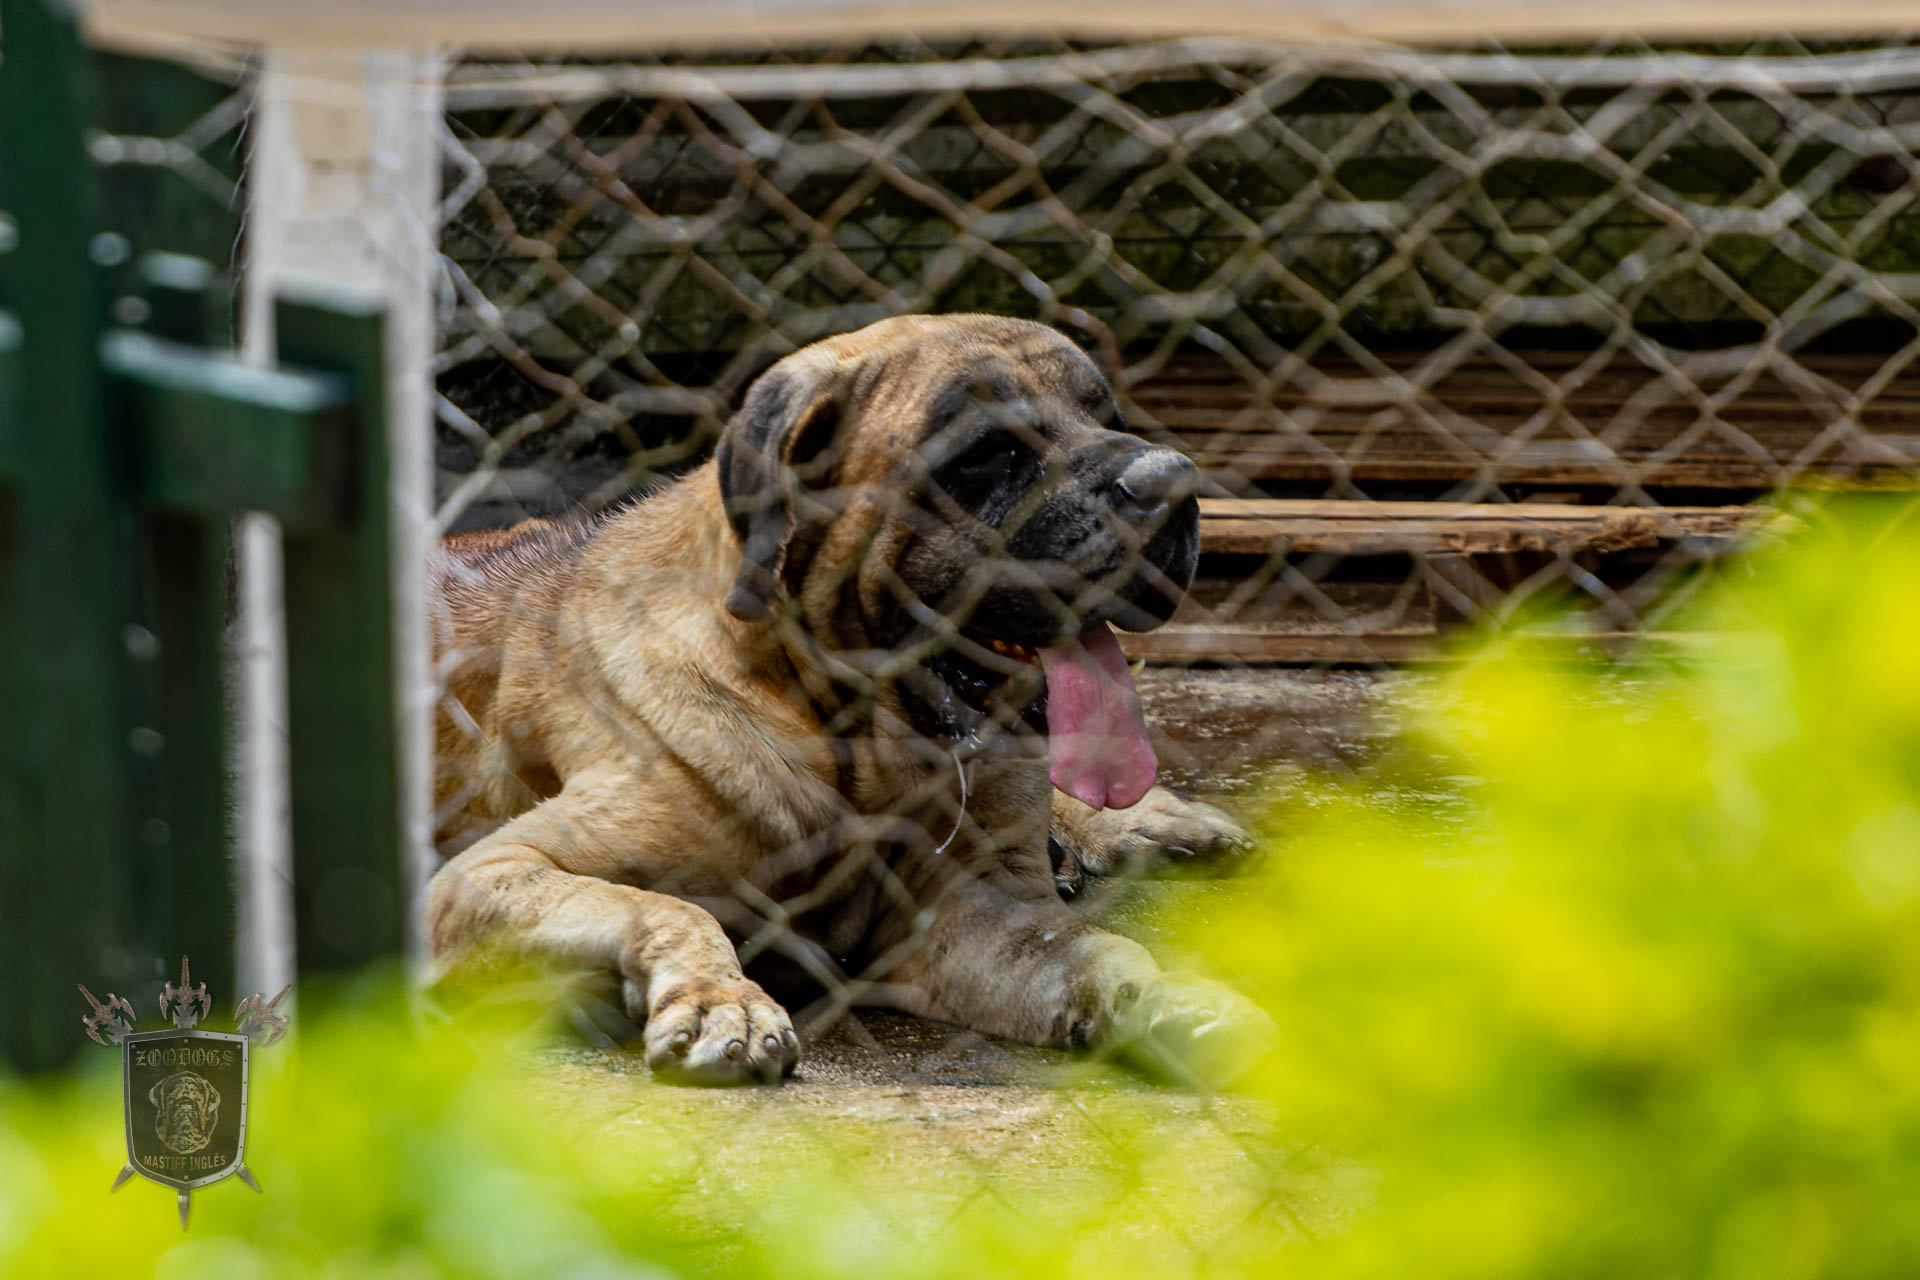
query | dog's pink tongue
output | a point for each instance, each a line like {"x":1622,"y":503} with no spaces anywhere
{"x":1101,"y":756}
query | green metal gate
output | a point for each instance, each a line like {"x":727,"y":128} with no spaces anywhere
{"x":125,"y":450}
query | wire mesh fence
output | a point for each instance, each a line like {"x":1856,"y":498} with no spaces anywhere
{"x":1623,"y":278}
{"x":1445,"y":337}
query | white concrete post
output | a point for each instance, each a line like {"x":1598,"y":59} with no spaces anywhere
{"x":343,"y":187}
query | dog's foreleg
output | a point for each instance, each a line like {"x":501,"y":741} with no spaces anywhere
{"x":521,"y":890}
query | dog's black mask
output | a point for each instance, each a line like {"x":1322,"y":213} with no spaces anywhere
{"x":1037,"y":518}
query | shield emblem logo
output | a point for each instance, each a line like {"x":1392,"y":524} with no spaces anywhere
{"x":185,"y":1090}
{"x":186,"y":1103}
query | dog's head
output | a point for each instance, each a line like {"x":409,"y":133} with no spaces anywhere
{"x":952,"y":489}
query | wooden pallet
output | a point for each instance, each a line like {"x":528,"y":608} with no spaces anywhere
{"x":1540,"y":419}
{"x":1459,"y":549}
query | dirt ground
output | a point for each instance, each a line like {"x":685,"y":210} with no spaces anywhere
{"x":1226,"y":732}
{"x":900,"y":1128}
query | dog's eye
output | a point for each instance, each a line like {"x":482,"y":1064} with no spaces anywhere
{"x":985,"y":468}
{"x":996,"y":451}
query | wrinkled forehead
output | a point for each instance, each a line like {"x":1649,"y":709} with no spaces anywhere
{"x":1044,"y":383}
{"x":925,"y":372}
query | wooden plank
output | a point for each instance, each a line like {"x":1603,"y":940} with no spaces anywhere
{"x":1235,"y":526}
{"x":1848,"y":368}
{"x":1810,"y":74}
{"x":1734,"y":476}
{"x":1485,"y":381}
{"x":1447,"y":537}
{"x":579,"y":26}
{"x":1619,"y":423}
{"x":1577,"y":418}
{"x":1422,"y":364}
{"x":1880,"y":462}
{"x":1185,"y":646}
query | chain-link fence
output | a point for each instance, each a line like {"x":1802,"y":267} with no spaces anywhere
{"x":1620,"y":278}
{"x":1473,"y":336}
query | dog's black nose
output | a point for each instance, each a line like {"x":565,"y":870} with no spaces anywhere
{"x":1152,"y":481}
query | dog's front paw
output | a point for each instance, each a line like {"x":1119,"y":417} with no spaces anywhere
{"x":716,"y":1031}
{"x":1170,"y":825}
{"x":1164,"y":826}
{"x":1193,"y":1031}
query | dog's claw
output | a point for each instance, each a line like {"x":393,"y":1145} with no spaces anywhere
{"x":719,"y":1032}
{"x":1068,"y":879}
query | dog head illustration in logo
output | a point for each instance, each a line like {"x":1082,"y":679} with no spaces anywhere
{"x":187,"y":1108}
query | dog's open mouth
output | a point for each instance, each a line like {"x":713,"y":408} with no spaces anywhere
{"x":997,"y":689}
{"x":1087,"y":707}
{"x":1007,"y":649}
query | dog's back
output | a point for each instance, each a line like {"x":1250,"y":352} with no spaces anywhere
{"x":535,"y":620}
{"x":487,"y":583}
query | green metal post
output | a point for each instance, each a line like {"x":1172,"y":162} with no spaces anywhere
{"x":186,"y":566}
{"x":66,"y":911}
{"x":342,"y":685}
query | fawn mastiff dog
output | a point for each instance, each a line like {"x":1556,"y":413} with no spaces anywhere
{"x":848,"y":696}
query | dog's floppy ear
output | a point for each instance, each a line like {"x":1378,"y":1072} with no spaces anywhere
{"x":771,"y":452}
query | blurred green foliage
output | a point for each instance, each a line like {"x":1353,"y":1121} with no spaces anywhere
{"x":1601,"y":973}
{"x":1652,"y":1006}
